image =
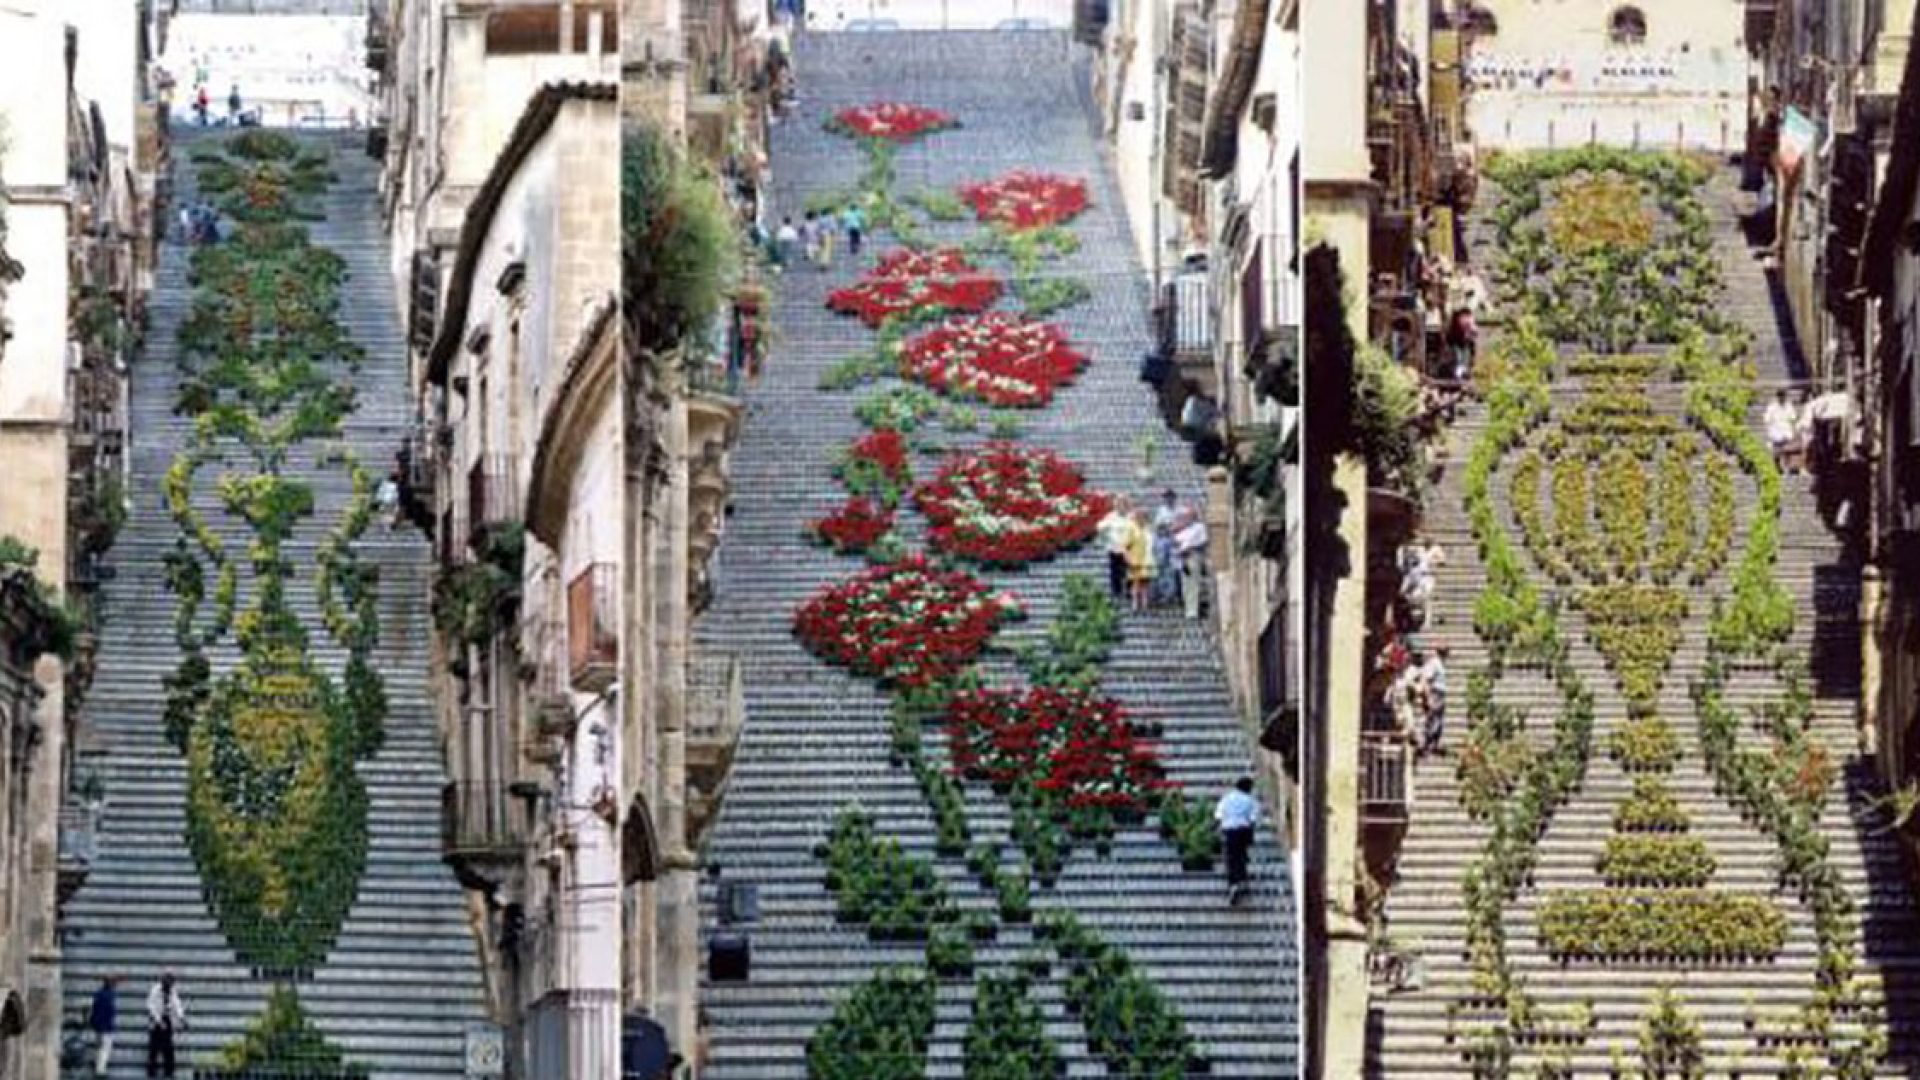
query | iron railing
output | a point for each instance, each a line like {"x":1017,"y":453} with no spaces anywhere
{"x":1386,"y":765}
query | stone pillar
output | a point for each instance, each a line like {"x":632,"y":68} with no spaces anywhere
{"x":677,"y":891}
{"x":1344,"y":1011}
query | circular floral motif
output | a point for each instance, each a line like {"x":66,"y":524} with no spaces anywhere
{"x":908,"y":623}
{"x":876,"y":466}
{"x":1006,"y":504}
{"x":891,"y":120}
{"x":1027,"y":200}
{"x":907,"y":282}
{"x":1000,"y":358}
{"x":854,"y":526}
{"x":1072,"y":744}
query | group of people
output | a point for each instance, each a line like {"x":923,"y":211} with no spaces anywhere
{"x":816,"y":234}
{"x":203,"y":105}
{"x":199,"y":223}
{"x":1420,"y":564}
{"x":1157,"y":560}
{"x":166,"y":1019}
{"x":1415,"y":690}
{"x":1804,"y":434}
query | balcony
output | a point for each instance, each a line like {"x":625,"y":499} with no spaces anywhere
{"x":716,"y":710}
{"x":593,"y":628}
{"x":483,"y":827}
{"x":78,"y":849}
{"x":1386,"y":781}
{"x":493,"y":495}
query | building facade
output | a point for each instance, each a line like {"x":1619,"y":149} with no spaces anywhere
{"x":499,"y":129}
{"x":1603,"y":71}
{"x":82,"y":137}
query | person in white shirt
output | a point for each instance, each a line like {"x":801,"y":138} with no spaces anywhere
{"x":1780,"y":421}
{"x":166,"y":1017}
{"x":1116,"y":530}
{"x":1190,"y":543}
{"x":1237,"y":814}
{"x":1802,"y":433}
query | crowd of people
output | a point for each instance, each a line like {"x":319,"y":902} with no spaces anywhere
{"x":814,"y":238}
{"x":1156,"y":560}
{"x":1409,"y":682}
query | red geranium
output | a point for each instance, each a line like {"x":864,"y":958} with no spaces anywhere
{"x":890,"y":120}
{"x":907,"y":282}
{"x":1000,"y":358}
{"x":855,"y":526}
{"x":1027,"y":200}
{"x":1072,"y":745}
{"x":1006,"y":504}
{"x":876,"y":465}
{"x":908,"y":623}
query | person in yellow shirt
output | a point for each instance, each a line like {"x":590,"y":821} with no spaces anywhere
{"x":1140,"y":565}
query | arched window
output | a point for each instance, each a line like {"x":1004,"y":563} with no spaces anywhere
{"x":1627,"y":26}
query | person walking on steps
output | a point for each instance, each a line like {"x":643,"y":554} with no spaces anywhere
{"x":854,"y":220}
{"x":166,"y":1019}
{"x":233,"y":105}
{"x":1238,"y":814}
{"x":102,"y":1017}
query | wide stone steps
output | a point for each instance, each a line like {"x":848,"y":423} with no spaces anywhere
{"x":400,"y":988}
{"x":1415,"y":1037}
{"x":816,"y":739}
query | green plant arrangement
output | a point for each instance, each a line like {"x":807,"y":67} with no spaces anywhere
{"x":1655,"y":859}
{"x":1129,"y":1023}
{"x":879,"y":1032}
{"x":276,"y":811}
{"x":876,"y":884}
{"x":1651,"y":808}
{"x":1082,"y":790}
{"x":1007,"y":1039}
{"x":1079,"y":641}
{"x":282,"y":1044}
{"x":1618,"y":506}
{"x":1696,"y":925}
{"x":54,"y":623}
{"x":476,"y":601}
{"x":1670,"y":1041}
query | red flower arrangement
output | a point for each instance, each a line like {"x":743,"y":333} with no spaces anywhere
{"x":908,"y":624}
{"x":907,"y":282}
{"x":890,"y":120}
{"x":1001,"y":358}
{"x":1074,"y":746}
{"x":1005,"y":504}
{"x":855,"y":526}
{"x":1027,"y":200}
{"x":876,"y":465}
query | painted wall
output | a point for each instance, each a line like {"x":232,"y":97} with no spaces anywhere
{"x":1551,"y":76}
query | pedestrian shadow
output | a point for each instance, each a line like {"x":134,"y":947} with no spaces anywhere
{"x":1889,"y":931}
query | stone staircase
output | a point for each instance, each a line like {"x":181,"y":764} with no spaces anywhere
{"x":401,"y":987}
{"x":815,"y":738}
{"x":1409,"y":1032}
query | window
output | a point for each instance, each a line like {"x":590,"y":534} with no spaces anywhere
{"x":1627,"y":26}
{"x":535,"y":29}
